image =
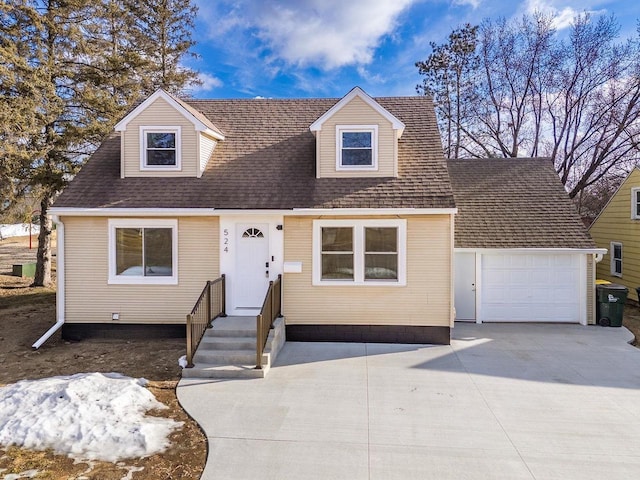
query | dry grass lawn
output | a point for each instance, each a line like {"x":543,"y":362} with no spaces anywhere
{"x":631,"y":320}
{"x":25,"y":314}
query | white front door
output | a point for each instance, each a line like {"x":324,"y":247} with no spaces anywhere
{"x":252,"y":266}
{"x":465,"y":285}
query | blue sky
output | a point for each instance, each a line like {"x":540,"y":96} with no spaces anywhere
{"x":323,"y":48}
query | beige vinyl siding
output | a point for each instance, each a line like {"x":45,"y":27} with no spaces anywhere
{"x":425,"y":300}
{"x":89,"y":299}
{"x":160,"y":113}
{"x":207,"y":145}
{"x":356,"y":112}
{"x":591,"y":290}
{"x":616,"y":225}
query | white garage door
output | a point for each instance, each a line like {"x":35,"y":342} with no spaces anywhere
{"x":537,"y":288}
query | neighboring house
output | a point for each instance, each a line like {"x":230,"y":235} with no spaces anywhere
{"x":617,"y":228}
{"x":350,"y":200}
{"x":521,"y":251}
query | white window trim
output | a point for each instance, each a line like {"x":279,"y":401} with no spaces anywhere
{"x":177,"y":130}
{"x":613,"y":259}
{"x":634,"y":194}
{"x":373,"y":129}
{"x":358,"y":249}
{"x":142,"y":223}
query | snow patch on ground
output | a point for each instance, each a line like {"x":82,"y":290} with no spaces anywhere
{"x":92,"y":416}
{"x":182,"y":361}
{"x":16,"y":476}
{"x":18,"y":230}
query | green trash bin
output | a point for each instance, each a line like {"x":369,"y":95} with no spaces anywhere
{"x":610,"y":304}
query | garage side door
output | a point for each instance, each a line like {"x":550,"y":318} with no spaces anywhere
{"x":537,"y":288}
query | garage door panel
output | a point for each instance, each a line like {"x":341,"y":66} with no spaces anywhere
{"x":544,"y":288}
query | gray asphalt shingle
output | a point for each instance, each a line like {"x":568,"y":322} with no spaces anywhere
{"x":513,"y":203}
{"x":267,"y":161}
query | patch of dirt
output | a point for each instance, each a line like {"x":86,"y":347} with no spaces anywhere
{"x":631,"y":320}
{"x":25,"y":314}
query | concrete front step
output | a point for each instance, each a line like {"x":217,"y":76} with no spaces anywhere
{"x":203,"y":370}
{"x":228,"y":350}
{"x":209,"y":342}
{"x":228,"y":357}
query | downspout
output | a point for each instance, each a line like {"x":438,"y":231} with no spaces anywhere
{"x":60,"y":284}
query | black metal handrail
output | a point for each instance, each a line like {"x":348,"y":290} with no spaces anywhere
{"x":271,"y":309}
{"x":212,"y":299}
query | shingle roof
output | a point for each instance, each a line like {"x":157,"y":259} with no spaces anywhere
{"x":199,"y":115}
{"x":513,"y":203}
{"x":267,"y":161}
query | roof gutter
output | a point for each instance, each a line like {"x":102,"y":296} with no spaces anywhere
{"x":60,"y":286}
{"x":594,"y":251}
{"x":212,"y":212}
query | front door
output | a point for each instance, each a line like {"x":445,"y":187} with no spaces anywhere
{"x":465,"y":285}
{"x":252,"y":266}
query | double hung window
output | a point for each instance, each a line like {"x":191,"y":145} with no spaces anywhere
{"x":616,"y":259}
{"x":160,"y":148}
{"x":357,"y":147}
{"x":359,"y":252}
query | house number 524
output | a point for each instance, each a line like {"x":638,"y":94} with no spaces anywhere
{"x":225,"y":240}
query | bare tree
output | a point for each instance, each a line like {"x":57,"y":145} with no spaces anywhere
{"x":594,"y":114}
{"x":576,"y":100}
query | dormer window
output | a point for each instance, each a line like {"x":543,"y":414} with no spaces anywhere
{"x":357,"y":147}
{"x":160,"y":148}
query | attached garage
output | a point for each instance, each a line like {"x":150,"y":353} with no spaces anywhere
{"x":521,"y":251}
{"x":534,"y":286}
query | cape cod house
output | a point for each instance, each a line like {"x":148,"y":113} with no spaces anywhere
{"x":345,"y":205}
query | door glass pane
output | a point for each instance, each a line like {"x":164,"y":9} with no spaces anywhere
{"x":381,"y":239}
{"x":337,"y":266}
{"x":381,"y":266}
{"x":158,"y":252}
{"x":337,"y":239}
{"x":128,"y":251}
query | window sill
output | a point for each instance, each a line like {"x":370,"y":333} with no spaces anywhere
{"x":130,"y":280}
{"x":368,"y":283}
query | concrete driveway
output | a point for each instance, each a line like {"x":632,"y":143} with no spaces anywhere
{"x":509,"y":401}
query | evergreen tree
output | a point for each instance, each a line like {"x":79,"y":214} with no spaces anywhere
{"x":162,"y":32}
{"x":68,"y":71}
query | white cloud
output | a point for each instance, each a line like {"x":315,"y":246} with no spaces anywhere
{"x":322,"y":33}
{"x":563,"y":14}
{"x":209,"y":82}
{"x":472,"y":3}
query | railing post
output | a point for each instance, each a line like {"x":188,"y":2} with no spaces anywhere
{"x":270,"y":304}
{"x":208,"y":309}
{"x":279,"y":295}
{"x":258,"y":342}
{"x":223,"y":300}
{"x":189,"y":342}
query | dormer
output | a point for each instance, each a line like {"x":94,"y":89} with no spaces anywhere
{"x":357,"y":137}
{"x":166,"y":137}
